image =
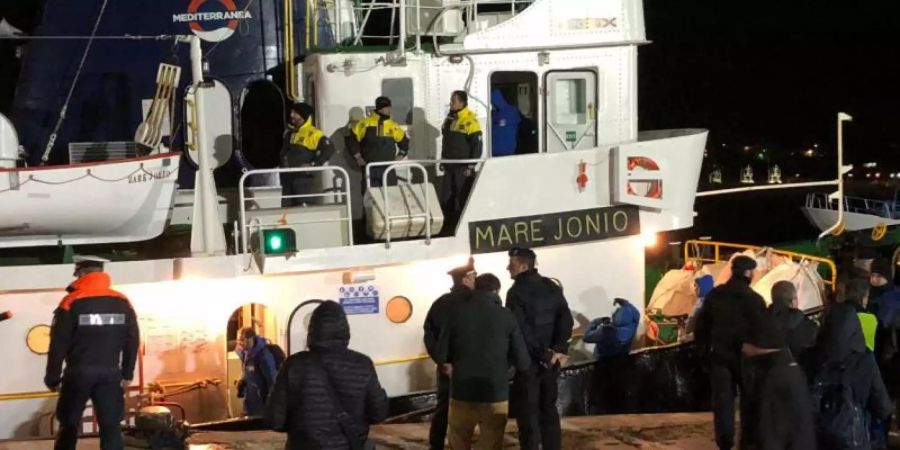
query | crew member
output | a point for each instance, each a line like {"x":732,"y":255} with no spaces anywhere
{"x":546,"y":324}
{"x":378,"y":139}
{"x":723,"y":326}
{"x":95,"y":331}
{"x":461,"y":140}
{"x":435,"y":323}
{"x":505,"y":120}
{"x":306,"y":146}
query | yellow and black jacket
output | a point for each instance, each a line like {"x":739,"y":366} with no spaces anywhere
{"x":462,"y":136}
{"x":307,"y":145}
{"x":378,"y":139}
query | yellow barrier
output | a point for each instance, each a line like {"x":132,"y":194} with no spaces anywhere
{"x":719,"y":246}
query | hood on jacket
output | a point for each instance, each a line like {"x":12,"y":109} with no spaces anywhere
{"x":498,"y":100}
{"x":328,"y":327}
{"x":486,"y":296}
{"x":841,"y":334}
{"x":626,"y":314}
{"x":704,"y":285}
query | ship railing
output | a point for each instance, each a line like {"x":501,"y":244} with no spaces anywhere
{"x":420,"y":166}
{"x":713,"y":252}
{"x":408,"y":19}
{"x":860,"y":205}
{"x":339,"y":194}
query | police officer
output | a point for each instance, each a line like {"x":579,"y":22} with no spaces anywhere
{"x":546,"y":323}
{"x":306,"y":146}
{"x":95,"y":331}
{"x":723,"y":325}
{"x":462,"y":140}
{"x":377,"y":138}
{"x":436,"y":322}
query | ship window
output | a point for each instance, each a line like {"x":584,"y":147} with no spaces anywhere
{"x":570,"y":102}
{"x":400,"y":91}
{"x":399,"y":309}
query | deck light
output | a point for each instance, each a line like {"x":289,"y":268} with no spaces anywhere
{"x":279,"y":241}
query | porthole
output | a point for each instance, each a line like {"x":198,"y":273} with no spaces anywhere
{"x":399,"y":309}
{"x":38,"y":339}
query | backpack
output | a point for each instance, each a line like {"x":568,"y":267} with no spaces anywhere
{"x":840,"y":421}
{"x":277,"y":354}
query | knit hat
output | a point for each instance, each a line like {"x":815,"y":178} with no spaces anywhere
{"x":742,"y":263}
{"x":303,"y":110}
{"x":882,"y":267}
{"x":382,"y":102}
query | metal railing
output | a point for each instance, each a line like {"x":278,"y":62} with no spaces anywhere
{"x":882,"y":208}
{"x":698,"y":246}
{"x":362,"y":12}
{"x":342,"y":194}
{"x":419,"y":164}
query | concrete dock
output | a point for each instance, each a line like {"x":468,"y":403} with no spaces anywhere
{"x":651,"y":431}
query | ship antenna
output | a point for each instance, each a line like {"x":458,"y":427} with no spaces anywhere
{"x":62,"y":112}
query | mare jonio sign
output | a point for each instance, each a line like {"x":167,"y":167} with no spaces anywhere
{"x":569,"y":227}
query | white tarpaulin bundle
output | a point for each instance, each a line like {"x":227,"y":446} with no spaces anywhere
{"x":674,"y":295}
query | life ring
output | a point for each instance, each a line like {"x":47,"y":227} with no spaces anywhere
{"x":879,"y":231}
{"x":655,"y":186}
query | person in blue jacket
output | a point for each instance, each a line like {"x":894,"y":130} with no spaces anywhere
{"x":505,"y":120}
{"x":259,"y":372}
{"x":613,"y":336}
{"x":702,"y":286}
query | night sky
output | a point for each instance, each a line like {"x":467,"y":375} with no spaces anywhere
{"x":775,"y":74}
{"x":770,"y":74}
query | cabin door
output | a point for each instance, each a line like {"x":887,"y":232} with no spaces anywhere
{"x":570,"y":103}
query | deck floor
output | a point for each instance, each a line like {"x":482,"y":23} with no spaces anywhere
{"x":652,"y":431}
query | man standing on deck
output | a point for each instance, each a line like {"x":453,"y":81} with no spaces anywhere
{"x":435,"y":324}
{"x":546,"y":323}
{"x":723,"y":326}
{"x":377,"y":138}
{"x":95,"y":331}
{"x":461,"y":140}
{"x":305,"y":146}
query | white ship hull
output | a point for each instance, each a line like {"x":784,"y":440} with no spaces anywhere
{"x":824,"y":219}
{"x":116,"y":201}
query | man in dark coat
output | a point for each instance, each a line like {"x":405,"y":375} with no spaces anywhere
{"x":722,"y":328}
{"x":95,"y":332}
{"x":778,"y":396}
{"x":435,"y":322}
{"x":546,"y":324}
{"x":800,"y":331}
{"x":303,"y":402}
{"x":478,"y":345}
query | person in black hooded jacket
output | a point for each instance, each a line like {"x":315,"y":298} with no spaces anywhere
{"x":723,"y":326}
{"x":842,"y":354}
{"x":302,"y":402}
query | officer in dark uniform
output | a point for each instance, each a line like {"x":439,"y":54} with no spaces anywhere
{"x":724,"y":324}
{"x":546,"y":323}
{"x":435,"y":322}
{"x":461,"y":140}
{"x":377,"y":138}
{"x":305,"y":146}
{"x":95,"y":331}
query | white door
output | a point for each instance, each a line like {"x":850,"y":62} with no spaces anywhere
{"x":570,"y":98}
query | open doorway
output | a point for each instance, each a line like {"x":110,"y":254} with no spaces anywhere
{"x":514,"y":131}
{"x":261,"y":320}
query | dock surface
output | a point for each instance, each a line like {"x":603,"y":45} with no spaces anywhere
{"x":650,"y":431}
